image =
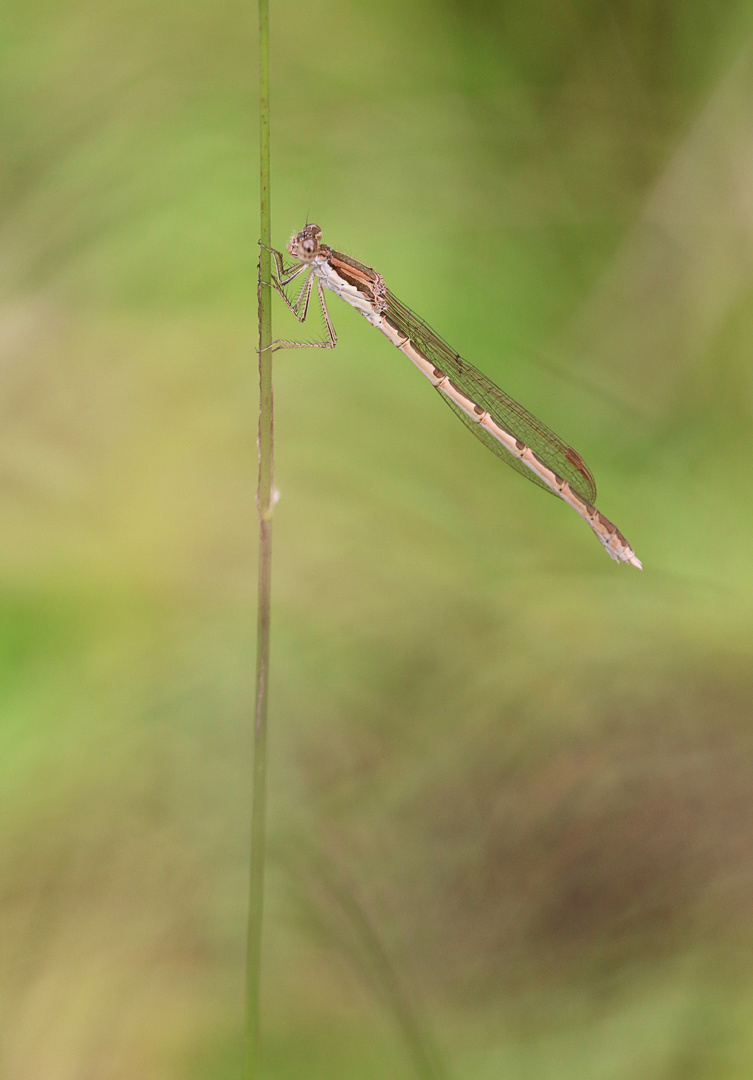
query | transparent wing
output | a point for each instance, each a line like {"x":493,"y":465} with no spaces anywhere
{"x":504,"y":410}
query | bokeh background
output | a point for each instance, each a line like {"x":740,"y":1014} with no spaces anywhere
{"x":511,"y":783}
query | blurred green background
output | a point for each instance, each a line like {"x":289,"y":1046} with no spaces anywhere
{"x":511,"y":806}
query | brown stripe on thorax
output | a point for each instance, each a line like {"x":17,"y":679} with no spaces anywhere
{"x":368,"y":282}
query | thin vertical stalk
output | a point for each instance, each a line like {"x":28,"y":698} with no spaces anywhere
{"x":417,"y":1038}
{"x":264,"y":502}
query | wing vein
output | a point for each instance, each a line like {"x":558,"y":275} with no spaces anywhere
{"x":503,"y":409}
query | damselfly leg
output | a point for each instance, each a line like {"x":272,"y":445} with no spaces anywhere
{"x":282,"y":277}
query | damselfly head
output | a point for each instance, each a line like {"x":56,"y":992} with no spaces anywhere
{"x":305,"y":244}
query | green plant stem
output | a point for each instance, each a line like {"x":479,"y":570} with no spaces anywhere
{"x":264,"y":502}
{"x":427,"y":1062}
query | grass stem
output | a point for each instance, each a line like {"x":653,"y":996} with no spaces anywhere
{"x":265,"y":503}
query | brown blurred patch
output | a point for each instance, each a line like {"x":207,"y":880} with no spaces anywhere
{"x":577,"y":864}
{"x":626,"y":848}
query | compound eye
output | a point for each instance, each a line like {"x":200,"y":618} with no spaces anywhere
{"x":308,"y":246}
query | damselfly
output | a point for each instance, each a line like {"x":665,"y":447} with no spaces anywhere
{"x":503,"y":425}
